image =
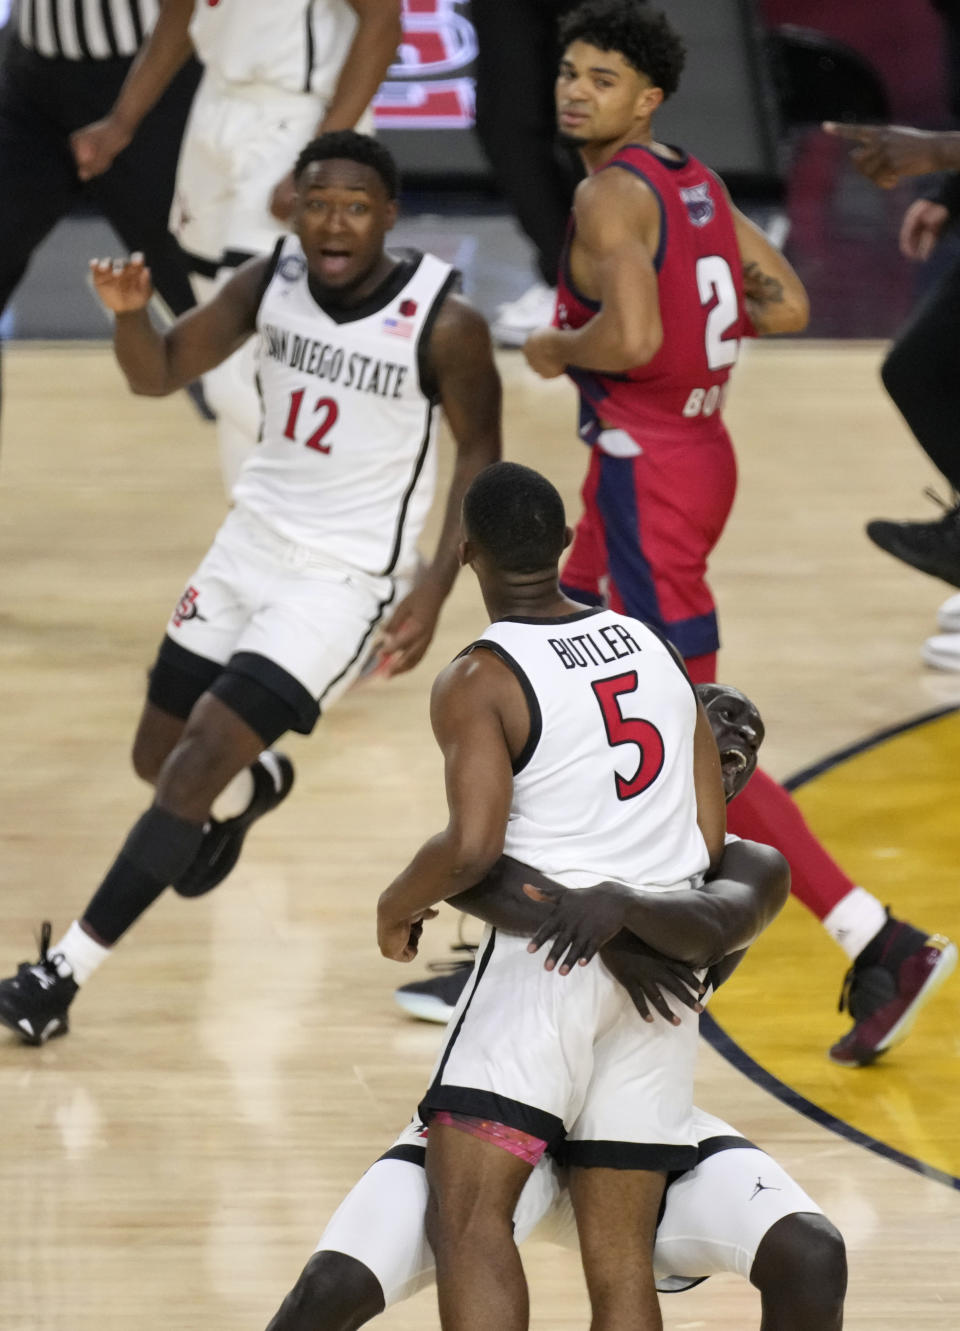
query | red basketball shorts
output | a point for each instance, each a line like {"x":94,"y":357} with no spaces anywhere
{"x":649,"y":523}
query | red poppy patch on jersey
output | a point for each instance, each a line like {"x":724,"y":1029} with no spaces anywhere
{"x":408,"y":308}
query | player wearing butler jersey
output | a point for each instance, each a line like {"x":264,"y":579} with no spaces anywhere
{"x":572,"y":741}
{"x":736,"y":1210}
{"x":361,"y":348}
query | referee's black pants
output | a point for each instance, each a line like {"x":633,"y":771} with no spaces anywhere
{"x":922,"y":374}
{"x":42,"y":101}
{"x":516,"y":72}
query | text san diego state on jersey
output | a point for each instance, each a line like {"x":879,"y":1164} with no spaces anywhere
{"x":700,"y":284}
{"x":346,"y":461}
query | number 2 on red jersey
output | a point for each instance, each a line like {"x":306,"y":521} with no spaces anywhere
{"x":629,"y":730}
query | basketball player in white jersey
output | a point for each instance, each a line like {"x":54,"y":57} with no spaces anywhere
{"x":737,"y":1210}
{"x":531,"y":720}
{"x":275,"y":75}
{"x":358,"y":348}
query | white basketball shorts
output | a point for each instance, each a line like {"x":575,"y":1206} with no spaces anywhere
{"x":714,"y":1219}
{"x":259,"y":602}
{"x":568,"y":1059}
{"x":240,"y":140}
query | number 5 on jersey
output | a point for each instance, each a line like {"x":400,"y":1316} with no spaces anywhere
{"x":629,"y":730}
{"x":323,"y":405}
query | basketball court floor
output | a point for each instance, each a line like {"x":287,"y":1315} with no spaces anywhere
{"x":239,"y":1062}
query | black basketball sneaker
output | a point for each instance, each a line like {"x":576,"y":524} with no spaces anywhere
{"x":223,"y":841}
{"x":34,"y":1002}
{"x":931,"y":547}
{"x":435,"y":999}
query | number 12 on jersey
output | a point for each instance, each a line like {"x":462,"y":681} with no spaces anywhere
{"x":330,"y":413}
{"x":629,"y":730}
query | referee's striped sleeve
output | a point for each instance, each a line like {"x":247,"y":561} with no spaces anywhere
{"x":85,"y":29}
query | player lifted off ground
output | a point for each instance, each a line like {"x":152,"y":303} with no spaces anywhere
{"x":573,"y":742}
{"x":358,"y":348}
{"x":661,"y":278}
{"x":737,"y":1210}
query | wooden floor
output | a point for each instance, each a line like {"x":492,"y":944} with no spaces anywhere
{"x":239,"y":1061}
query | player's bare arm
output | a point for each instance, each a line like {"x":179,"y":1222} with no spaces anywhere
{"x":697,"y":926}
{"x":689,"y":928}
{"x":157,"y":363}
{"x":886,"y":154}
{"x":617,"y":232}
{"x":460,"y":356}
{"x":158,"y":61}
{"x":775,"y":297}
{"x":373,"y":49}
{"x":478,"y":714}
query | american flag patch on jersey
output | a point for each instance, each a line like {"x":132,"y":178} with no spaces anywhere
{"x":398,"y":327}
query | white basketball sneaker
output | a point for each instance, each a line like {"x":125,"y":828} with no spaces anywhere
{"x":517,"y":319}
{"x":948,"y":616}
{"x":942,"y":651}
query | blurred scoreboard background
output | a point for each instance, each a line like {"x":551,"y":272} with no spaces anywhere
{"x":724,"y":111}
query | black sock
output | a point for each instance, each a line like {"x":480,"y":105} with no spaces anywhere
{"x":157,"y":851}
{"x":891,"y":946}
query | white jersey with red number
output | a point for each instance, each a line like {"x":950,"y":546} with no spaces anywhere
{"x":604,"y":787}
{"x":346,"y":463}
{"x":297,"y":45}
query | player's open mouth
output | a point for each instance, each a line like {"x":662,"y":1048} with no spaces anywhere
{"x":733,"y":761}
{"x":334,"y":262}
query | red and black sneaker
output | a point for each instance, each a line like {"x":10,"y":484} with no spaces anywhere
{"x":885,"y":988}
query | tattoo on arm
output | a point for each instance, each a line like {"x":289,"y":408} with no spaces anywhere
{"x":759,"y":287}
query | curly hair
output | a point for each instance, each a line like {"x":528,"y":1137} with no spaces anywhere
{"x":347,"y":143}
{"x":642,"y":36}
{"x":516,"y":516}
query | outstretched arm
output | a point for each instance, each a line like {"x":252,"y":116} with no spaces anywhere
{"x":159,"y":59}
{"x":157,"y":363}
{"x":466,"y":710}
{"x":697,"y":926}
{"x":887,"y":153}
{"x":460,"y":357}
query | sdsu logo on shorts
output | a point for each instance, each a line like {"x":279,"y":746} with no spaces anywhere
{"x":187,"y":608}
{"x":699,"y":205}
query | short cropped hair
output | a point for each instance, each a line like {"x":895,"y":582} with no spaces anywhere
{"x":642,"y":36}
{"x":347,"y":143}
{"x":516,"y":517}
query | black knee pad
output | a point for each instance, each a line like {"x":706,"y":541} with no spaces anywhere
{"x":178,"y":678}
{"x":265,"y":696}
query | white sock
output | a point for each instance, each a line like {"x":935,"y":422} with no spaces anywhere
{"x":78,"y":954}
{"x":854,"y":920}
{"x":235,"y":797}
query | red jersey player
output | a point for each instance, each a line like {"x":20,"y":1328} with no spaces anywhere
{"x":660,"y":279}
